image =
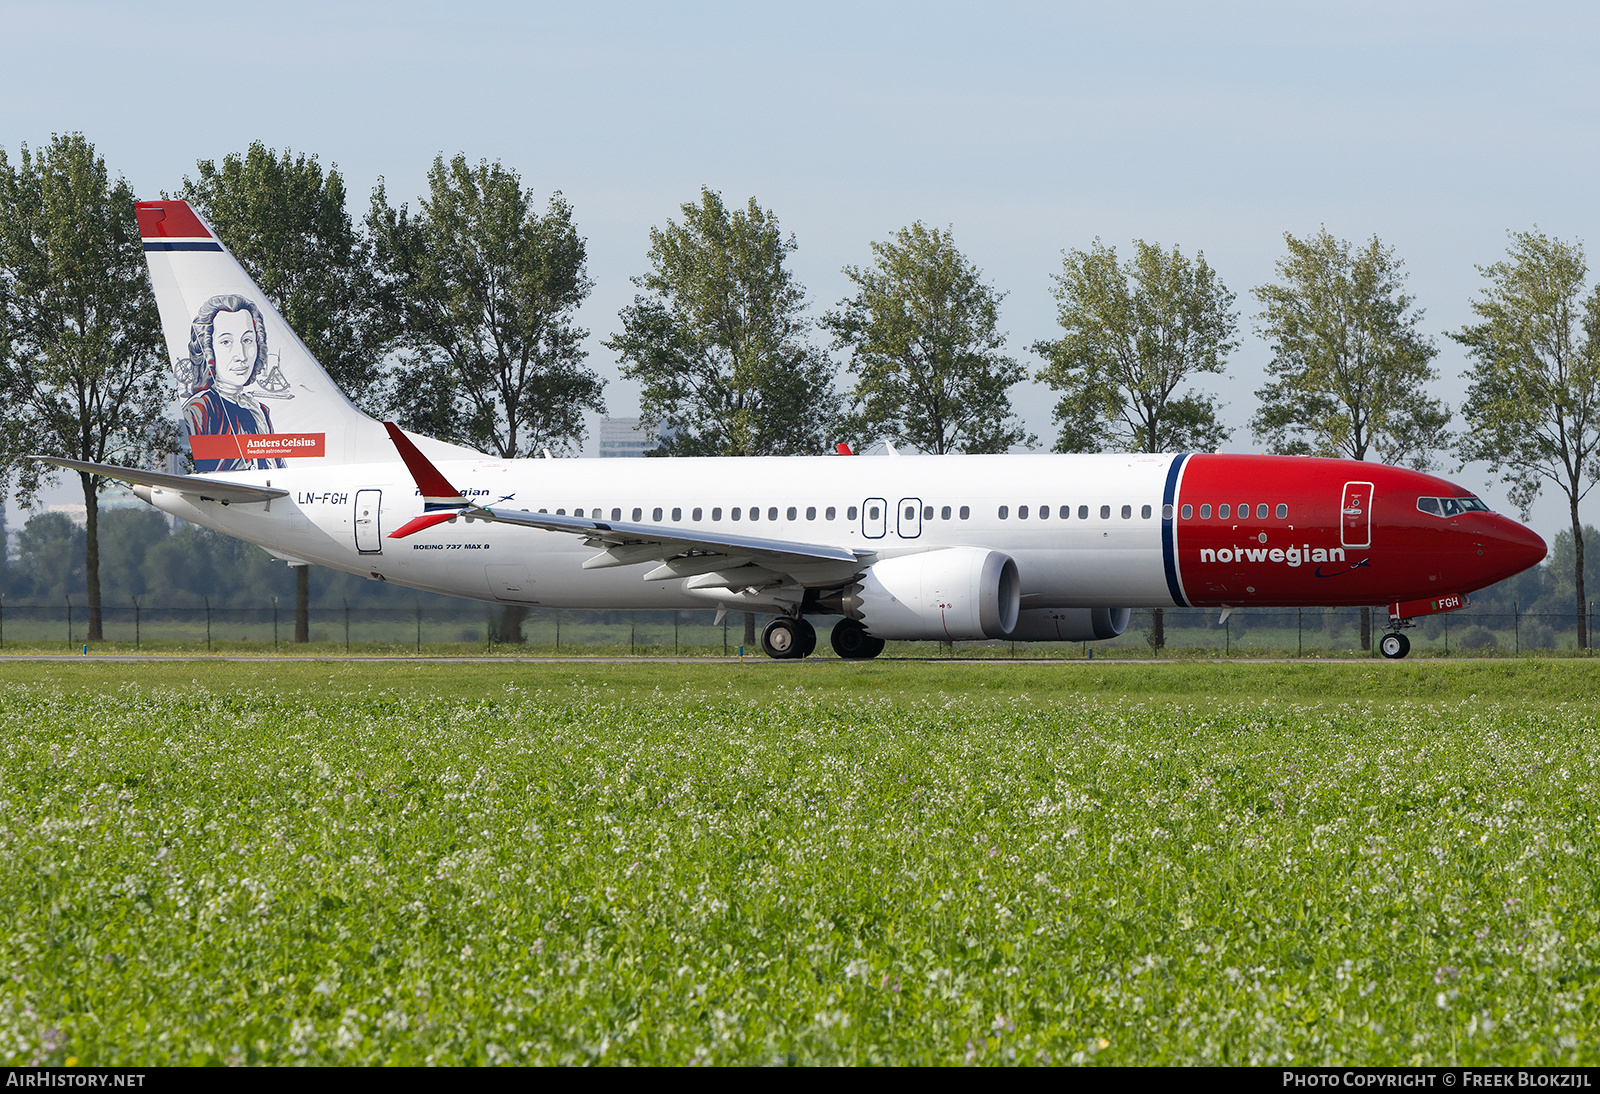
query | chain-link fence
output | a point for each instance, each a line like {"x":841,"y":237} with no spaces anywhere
{"x":476,"y":629}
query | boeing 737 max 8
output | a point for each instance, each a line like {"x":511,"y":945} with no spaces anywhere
{"x":1025,"y":547}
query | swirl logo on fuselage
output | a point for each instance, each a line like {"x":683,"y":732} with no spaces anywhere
{"x":1350,"y":569}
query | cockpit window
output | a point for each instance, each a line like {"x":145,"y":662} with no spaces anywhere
{"x":1451,"y":507}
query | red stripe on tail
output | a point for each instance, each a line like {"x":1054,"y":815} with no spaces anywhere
{"x":435,"y":488}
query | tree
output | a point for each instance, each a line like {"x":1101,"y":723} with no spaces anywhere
{"x":1533,"y":406}
{"x":287,"y":224}
{"x":1349,"y":366}
{"x":1135,"y":334}
{"x":923,"y":331}
{"x":719,"y":341}
{"x":487,"y":291}
{"x":82,"y":373}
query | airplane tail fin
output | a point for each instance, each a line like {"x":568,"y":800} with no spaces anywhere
{"x":253,"y":395}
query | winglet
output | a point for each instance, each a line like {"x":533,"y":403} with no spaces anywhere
{"x":843,"y":449}
{"x":437,"y":493}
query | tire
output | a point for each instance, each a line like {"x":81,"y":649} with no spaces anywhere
{"x":783,"y":639}
{"x":852,"y":642}
{"x":808,"y":638}
{"x":1394,"y":646}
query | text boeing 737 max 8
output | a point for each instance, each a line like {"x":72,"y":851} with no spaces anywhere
{"x":1026,"y":547}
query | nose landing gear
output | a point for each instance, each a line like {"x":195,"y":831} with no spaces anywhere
{"x":1394,"y":645}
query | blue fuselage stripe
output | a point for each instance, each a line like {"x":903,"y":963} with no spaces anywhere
{"x":195,"y":246}
{"x":1169,"y":551}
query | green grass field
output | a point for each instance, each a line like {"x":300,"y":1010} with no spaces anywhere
{"x":1354,"y":863}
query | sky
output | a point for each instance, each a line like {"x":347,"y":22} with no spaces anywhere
{"x":1027,"y":129}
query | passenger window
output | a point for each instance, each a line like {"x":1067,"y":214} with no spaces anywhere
{"x":735,"y":512}
{"x":772,"y":513}
{"x":638,"y":514}
{"x":1144,"y":514}
{"x":927,"y":512}
{"x":1105,"y":512}
{"x":1066,"y":511}
{"x":1022,"y":512}
{"x":1083,"y":512}
{"x":811,"y":512}
{"x":1244,"y":511}
{"x":1205,"y":512}
{"x":544,"y":510}
{"x":1283,"y":511}
{"x":1127,"y":512}
{"x":1261,"y":511}
{"x":1044,"y":512}
{"x":561,"y":512}
{"x":911,"y":512}
{"x":1188,"y":512}
{"x":872,"y":513}
{"x":794,"y":514}
{"x":1429,"y":505}
{"x":577,"y":512}
{"x":849,"y":514}
{"x":677,"y":514}
{"x":655,"y":514}
{"x":828,"y":513}
{"x":616,"y":514}
{"x":1222,"y":512}
{"x":1004,"y":512}
{"x":966,"y":512}
{"x":944,"y":514}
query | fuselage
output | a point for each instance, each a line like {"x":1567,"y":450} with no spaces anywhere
{"x":1085,"y":531}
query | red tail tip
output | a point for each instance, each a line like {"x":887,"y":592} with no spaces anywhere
{"x":843,"y":449}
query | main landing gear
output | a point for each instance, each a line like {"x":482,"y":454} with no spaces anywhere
{"x":784,"y":638}
{"x":1394,"y":645}
{"x":852,"y":642}
{"x":787,"y":637}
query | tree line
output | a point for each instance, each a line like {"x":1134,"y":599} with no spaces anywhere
{"x":457,"y":318}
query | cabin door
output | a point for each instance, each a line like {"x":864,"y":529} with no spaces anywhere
{"x":369,"y":536}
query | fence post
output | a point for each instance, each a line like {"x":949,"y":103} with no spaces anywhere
{"x":488,"y":628}
{"x":135,"y":623}
{"x":208,"y":624}
{"x":1447,"y":636}
{"x":1300,"y":632}
{"x":69,"y":621}
{"x":419,"y":628}
{"x":274,"y":624}
{"x":1516,"y":626}
{"x":1227,"y":637}
{"x":724,"y":636}
{"x":674,"y":633}
{"x":558,"y":630}
{"x":633,"y":632}
{"x":347,"y":624}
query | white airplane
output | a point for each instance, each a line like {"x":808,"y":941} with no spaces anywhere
{"x":1024,"y":547}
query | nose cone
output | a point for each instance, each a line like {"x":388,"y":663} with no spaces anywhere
{"x":1513,"y":547}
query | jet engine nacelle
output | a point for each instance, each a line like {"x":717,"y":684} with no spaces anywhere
{"x":954,"y":593}
{"x":1070,"y":624}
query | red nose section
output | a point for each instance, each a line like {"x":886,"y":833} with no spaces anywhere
{"x":1525,"y":547}
{"x":1511,"y":548}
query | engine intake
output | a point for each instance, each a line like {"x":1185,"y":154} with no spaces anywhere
{"x":957,"y":593}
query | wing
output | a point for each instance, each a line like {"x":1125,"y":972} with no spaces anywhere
{"x":194,"y":485}
{"x":708,"y":559}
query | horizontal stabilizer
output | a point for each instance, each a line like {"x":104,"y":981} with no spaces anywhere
{"x":197,"y":485}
